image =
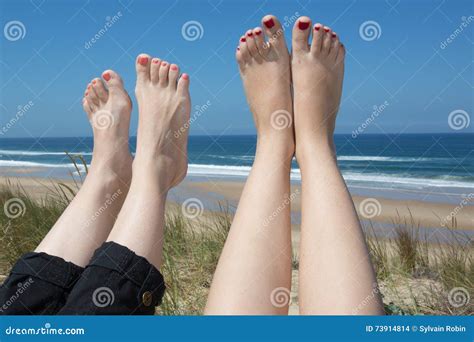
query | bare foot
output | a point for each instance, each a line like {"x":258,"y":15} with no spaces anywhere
{"x":108,"y":107}
{"x":164,"y":106}
{"x":318,"y":71}
{"x":265,"y":71}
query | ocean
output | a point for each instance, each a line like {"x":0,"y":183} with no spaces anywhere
{"x":425,"y":164}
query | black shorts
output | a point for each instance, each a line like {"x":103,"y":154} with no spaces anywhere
{"x":116,"y":282}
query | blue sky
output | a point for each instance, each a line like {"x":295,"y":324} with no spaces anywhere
{"x":406,"y":66}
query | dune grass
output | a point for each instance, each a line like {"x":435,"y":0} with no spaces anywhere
{"x":415,"y":277}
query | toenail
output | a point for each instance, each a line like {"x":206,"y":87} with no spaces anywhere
{"x":87,"y":93}
{"x":174,"y":67}
{"x":106,"y":76}
{"x":317,"y":27}
{"x":334,"y":34}
{"x":238,"y":49}
{"x":185,"y":76}
{"x":155,"y":61}
{"x":164,"y":64}
{"x":243,"y":39}
{"x":143,"y":60}
{"x":94,"y":82}
{"x":250,"y":34}
{"x":269,"y":23}
{"x":327,"y":29}
{"x":258,"y":33}
{"x":303,"y":25}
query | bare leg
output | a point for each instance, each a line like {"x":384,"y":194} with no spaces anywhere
{"x":336,"y":275}
{"x":161,"y":159}
{"x":254,"y":271}
{"x":88,"y":219}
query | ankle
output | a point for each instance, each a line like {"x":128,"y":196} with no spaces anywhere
{"x":321,"y":149}
{"x":278,"y":145}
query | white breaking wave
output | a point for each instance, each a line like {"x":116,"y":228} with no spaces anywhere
{"x":243,"y":171}
{"x":18,"y":163}
{"x":412,"y":182}
{"x":389,"y":159}
{"x":39,"y":153}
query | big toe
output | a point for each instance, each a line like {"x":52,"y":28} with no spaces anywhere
{"x":113,"y":81}
{"x":274,"y":33}
{"x":301,"y":32}
{"x":143,"y":67}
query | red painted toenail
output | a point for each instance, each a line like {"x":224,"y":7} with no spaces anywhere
{"x":106,"y":76}
{"x":303,"y":25}
{"x":326,"y":29}
{"x":269,"y":23}
{"x":334,"y":34}
{"x":238,"y":49}
{"x":143,"y":60}
{"x":94,"y":82}
{"x":174,"y":67}
{"x":87,"y":93}
{"x":258,"y":33}
{"x":185,"y":76}
{"x":317,"y":27}
{"x":155,"y":61}
{"x":250,"y":34}
{"x":164,"y":64}
{"x":243,"y":39}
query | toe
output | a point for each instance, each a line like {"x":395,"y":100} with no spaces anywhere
{"x":238,"y":56}
{"x":244,"y":49}
{"x":317,"y":42}
{"x":334,"y":46}
{"x":183,"y":84}
{"x":274,"y":32}
{"x":260,"y":42}
{"x":327,"y":40}
{"x":143,"y":67}
{"x":301,"y":31}
{"x":252,"y":46}
{"x":341,"y":54}
{"x":155,"y":69}
{"x":92,"y":96}
{"x":86,"y":107}
{"x":112,"y":80}
{"x":173,"y":76}
{"x":100,"y":90}
{"x":163,"y":73}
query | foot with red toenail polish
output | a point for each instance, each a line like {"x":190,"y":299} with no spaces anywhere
{"x":264,"y":64}
{"x":317,"y":74}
